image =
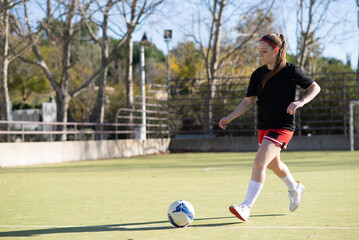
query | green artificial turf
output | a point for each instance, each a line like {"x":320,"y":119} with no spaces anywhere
{"x":128,"y":198}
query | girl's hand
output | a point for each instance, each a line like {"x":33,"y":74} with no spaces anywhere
{"x":224,"y":121}
{"x":294,"y":106}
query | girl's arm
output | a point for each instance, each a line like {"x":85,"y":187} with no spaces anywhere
{"x":246,"y":104}
{"x":312,"y":91}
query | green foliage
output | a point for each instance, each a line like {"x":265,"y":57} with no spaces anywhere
{"x":81,"y":106}
{"x":84,"y":33}
{"x":332,"y":65}
{"x":117,"y":100}
{"x":17,"y":105}
{"x":291,"y":58}
{"x":55,"y":27}
{"x":155,"y":63}
{"x":26,"y":85}
{"x":186,"y":61}
{"x":151,"y":52}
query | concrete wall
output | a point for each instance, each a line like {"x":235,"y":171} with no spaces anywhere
{"x":21,"y":154}
{"x":298,"y":143}
{"x":30,"y":153}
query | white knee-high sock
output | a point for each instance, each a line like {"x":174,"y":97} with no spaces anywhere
{"x":290,"y":182}
{"x":254,"y":188}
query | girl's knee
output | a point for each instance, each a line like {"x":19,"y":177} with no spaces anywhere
{"x":258,"y":165}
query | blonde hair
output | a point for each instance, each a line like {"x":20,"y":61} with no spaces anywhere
{"x":276,"y":40}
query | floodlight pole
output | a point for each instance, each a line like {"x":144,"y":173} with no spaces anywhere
{"x":168,"y":38}
{"x":143,"y":87}
{"x":168,"y":67}
{"x":351,"y":128}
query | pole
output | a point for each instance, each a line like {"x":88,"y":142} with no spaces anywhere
{"x":143,"y":94}
{"x":168,"y":68}
{"x":351,"y":129}
{"x":168,"y":36}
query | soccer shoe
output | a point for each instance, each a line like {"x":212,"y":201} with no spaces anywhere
{"x":242,"y":211}
{"x":295,"y":197}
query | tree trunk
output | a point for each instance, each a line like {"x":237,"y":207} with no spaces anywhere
{"x":98,"y":114}
{"x":5,"y":101}
{"x":129,"y":81}
{"x":212,"y":81}
{"x":48,"y":17}
{"x":63,"y":97}
{"x":302,"y":50}
{"x":62,"y":104}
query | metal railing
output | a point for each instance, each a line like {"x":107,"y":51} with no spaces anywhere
{"x":157,"y":115}
{"x":11,"y":131}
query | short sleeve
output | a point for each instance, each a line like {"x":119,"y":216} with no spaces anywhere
{"x":252,"y":87}
{"x":300,"y":78}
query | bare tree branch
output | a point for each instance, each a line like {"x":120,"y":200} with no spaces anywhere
{"x":112,"y":56}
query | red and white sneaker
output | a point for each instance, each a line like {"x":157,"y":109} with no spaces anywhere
{"x":242,"y":211}
{"x":295,"y":196}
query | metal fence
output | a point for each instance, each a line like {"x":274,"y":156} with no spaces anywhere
{"x":183,"y":114}
{"x":328,"y":113}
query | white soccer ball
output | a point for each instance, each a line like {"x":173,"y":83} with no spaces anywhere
{"x":181,"y":213}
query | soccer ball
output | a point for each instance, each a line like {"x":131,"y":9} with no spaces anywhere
{"x":181,"y":213}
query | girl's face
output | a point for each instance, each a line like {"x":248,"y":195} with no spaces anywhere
{"x":267,"y":53}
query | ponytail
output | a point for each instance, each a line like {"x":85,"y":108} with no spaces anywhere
{"x":277,"y":41}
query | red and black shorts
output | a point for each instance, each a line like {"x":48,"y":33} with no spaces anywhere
{"x":280,"y":137}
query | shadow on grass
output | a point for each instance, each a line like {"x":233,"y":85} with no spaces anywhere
{"x":147,"y":226}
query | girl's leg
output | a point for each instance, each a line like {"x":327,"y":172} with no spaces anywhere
{"x":265,"y":154}
{"x":295,"y":188}
{"x":281,"y":170}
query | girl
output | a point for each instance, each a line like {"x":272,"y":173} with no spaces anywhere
{"x":274,"y":84}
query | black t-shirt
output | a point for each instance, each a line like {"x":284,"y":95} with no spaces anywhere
{"x":277,"y":94}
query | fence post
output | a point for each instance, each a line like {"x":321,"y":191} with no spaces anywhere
{"x":351,"y":130}
{"x":75,"y":135}
{"x":344,"y":106}
{"x":22,"y":132}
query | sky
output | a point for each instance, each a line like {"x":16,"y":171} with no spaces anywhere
{"x":339,"y":35}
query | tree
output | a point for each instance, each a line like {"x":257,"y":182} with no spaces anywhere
{"x":311,"y":16}
{"x":246,"y":60}
{"x":66,"y":32}
{"x":5,"y":110}
{"x":186,"y":61}
{"x":212,"y":52}
{"x":134,"y":12}
{"x":6,"y":56}
{"x":98,"y":113}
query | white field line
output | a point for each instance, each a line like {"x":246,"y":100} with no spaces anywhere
{"x":215,"y":169}
{"x":284,"y":227}
{"x":220,"y":170}
{"x":38,"y":226}
{"x":198,"y":226}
